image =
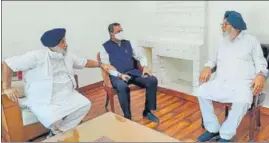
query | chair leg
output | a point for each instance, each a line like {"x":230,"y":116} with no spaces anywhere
{"x":258,"y":118}
{"x":252,"y":125}
{"x":111,"y":99}
{"x":202,"y":124}
{"x":107,"y":100}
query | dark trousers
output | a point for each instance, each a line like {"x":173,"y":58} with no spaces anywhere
{"x":150,"y":83}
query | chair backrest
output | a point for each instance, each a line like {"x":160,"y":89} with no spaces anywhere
{"x":265,"y":49}
{"x":98,"y":57}
{"x":76,"y":79}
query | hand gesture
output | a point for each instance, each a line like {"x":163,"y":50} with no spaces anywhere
{"x":12,"y":94}
{"x":205,"y":75}
{"x":146,"y":71}
{"x":107,"y":67}
{"x":258,"y":84}
{"x":125,"y":77}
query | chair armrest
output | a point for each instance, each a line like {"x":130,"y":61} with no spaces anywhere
{"x":7,"y":103}
{"x":214,"y":69}
{"x":105,"y":75}
{"x":5,"y":134}
{"x":76,"y":79}
{"x":13,"y":117}
{"x":106,"y":78}
{"x":138,"y":65}
{"x":255,"y":100}
{"x":259,"y":99}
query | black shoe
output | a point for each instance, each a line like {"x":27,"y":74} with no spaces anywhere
{"x":151,"y":117}
{"x":207,"y":136}
{"x":224,"y":140}
{"x":128,"y":117}
{"x":51,"y":134}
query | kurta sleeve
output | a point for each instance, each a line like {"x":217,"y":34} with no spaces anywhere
{"x":79,"y":63}
{"x":258,"y":58}
{"x":22,"y":62}
{"x":212,"y":61}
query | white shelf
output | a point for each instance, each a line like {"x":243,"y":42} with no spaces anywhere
{"x":177,"y":47}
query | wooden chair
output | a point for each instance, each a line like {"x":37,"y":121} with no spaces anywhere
{"x":255,"y":113}
{"x":110,"y":92}
{"x":13,"y":127}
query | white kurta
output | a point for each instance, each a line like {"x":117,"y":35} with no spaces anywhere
{"x":45,"y":69}
{"x":238,"y":62}
{"x":65,"y":99}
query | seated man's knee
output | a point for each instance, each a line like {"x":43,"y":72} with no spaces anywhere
{"x":121,"y":85}
{"x":201,"y":91}
{"x":84,"y":109}
{"x":55,"y":126}
{"x":88,"y":106}
{"x":153,"y":80}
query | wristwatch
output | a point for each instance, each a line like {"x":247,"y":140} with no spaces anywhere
{"x":99,"y":64}
{"x":119,"y":75}
{"x":262,"y":74}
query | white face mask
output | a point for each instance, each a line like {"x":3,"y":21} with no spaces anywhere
{"x":119,"y":36}
{"x":59,"y":50}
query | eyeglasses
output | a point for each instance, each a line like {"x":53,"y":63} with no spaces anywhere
{"x":224,"y":25}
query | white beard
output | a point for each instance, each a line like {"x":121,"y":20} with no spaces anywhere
{"x":227,"y":35}
{"x":59,"y":50}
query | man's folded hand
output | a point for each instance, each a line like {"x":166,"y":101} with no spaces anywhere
{"x":12,"y":94}
{"x":146,"y":71}
{"x":258,"y":84}
{"x":125,"y":77}
{"x":205,"y":75}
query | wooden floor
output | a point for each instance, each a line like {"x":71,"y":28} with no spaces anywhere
{"x":179,"y":118}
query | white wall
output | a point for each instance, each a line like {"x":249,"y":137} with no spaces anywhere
{"x":86,"y":23}
{"x":255,"y":14}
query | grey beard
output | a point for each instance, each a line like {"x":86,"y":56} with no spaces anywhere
{"x":228,"y":34}
{"x":59,"y":50}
